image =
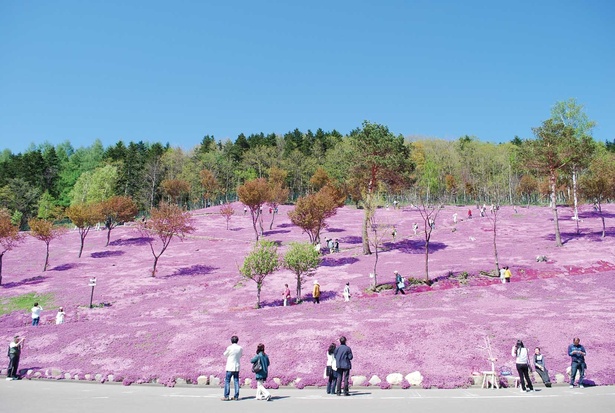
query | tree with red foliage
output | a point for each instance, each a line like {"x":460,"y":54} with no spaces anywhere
{"x":312,"y":211}
{"x":165,"y":222}
{"x":84,"y":216}
{"x":254,"y":194}
{"x":9,"y":236}
{"x":116,"y":210}
{"x":45,"y":231}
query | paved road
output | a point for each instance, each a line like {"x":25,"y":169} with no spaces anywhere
{"x":29,"y":396}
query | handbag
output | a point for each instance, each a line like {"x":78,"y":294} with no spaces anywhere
{"x":401,"y":285}
{"x":257,"y":366}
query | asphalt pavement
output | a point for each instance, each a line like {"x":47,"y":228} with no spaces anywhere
{"x":28,"y":396}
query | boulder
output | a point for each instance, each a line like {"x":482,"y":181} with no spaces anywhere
{"x":202,"y":380}
{"x":247,"y":382}
{"x":67,"y":376}
{"x":358,"y":380}
{"x":76,"y":377}
{"x":88,"y":377}
{"x":214,"y":381}
{"x":277,"y":381}
{"x":180,"y":381}
{"x":560,"y":378}
{"x":110,"y":378}
{"x":37,"y":374}
{"x":415,"y":378}
{"x":395,"y":379}
{"x":55,"y":372}
{"x":375,"y":380}
{"x":98,"y":377}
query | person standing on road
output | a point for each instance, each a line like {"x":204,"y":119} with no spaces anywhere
{"x":233,"y":354}
{"x":36,"y":314}
{"x":261,"y":375}
{"x":343,"y":357}
{"x":331,"y":369}
{"x":523,"y":368}
{"x":541,"y":368}
{"x":14,"y":353}
{"x":577,"y":354}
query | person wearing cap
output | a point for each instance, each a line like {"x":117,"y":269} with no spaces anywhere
{"x":399,"y":283}
{"x":316,"y":292}
{"x":14,"y":353}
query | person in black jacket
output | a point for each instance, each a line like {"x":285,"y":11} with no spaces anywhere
{"x":343,"y":356}
{"x":14,"y":353}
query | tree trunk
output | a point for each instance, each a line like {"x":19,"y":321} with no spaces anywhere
{"x":81,"y":247}
{"x":427,"y":261}
{"x":108,"y":236}
{"x":558,"y":237}
{"x":599,"y":210}
{"x":155,"y":263}
{"x":258,"y":295}
{"x":495,"y":247}
{"x":574,"y":197}
{"x":46,"y":258}
{"x":254,"y":219}
{"x":375,"y":263}
{"x":298,"y":299}
{"x":272,"y":218}
{"x":1,"y":256}
{"x":366,"y":221}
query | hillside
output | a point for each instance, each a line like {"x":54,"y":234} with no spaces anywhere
{"x":177,"y":324}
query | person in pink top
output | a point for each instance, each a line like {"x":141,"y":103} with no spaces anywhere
{"x":286,"y":295}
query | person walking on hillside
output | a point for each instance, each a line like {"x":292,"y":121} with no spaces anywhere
{"x":503,"y":275}
{"x":331,"y":369}
{"x":286,"y":295}
{"x":316,"y":292}
{"x":343,"y":357}
{"x":577,"y":355}
{"x":261,"y":360}
{"x":36,"y":314}
{"x":14,"y":353}
{"x":399,"y":283}
{"x":541,"y":368}
{"x":233,"y":354}
{"x":347,"y":292}
{"x":507,"y":274}
{"x":523,"y":368}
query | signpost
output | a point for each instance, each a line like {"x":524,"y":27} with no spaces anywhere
{"x":92,"y":284}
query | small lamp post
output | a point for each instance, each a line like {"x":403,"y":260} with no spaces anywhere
{"x":92,"y":284}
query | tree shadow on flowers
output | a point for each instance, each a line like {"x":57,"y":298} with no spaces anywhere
{"x":351,"y":239}
{"x":64,"y":267}
{"x":131,"y":241}
{"x":192,"y":271}
{"x":329,"y":261}
{"x":412,"y":246}
{"x":106,"y":254}
{"x":27,"y":281}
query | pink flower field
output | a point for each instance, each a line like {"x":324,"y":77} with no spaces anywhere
{"x":176,"y":325}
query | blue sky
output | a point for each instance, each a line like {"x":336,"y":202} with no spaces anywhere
{"x":176,"y":71}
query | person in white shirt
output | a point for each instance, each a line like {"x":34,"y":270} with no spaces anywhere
{"x":523,"y":365}
{"x":347,"y":292}
{"x":14,"y":352}
{"x":232,"y":353}
{"x":60,"y":316}
{"x":36,"y":314}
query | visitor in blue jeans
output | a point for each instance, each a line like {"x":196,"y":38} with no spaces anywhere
{"x":577,"y":355}
{"x":232,"y":353}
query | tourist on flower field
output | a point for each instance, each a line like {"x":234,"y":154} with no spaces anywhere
{"x":343,"y":356}
{"x":336,"y":246}
{"x":14,"y":352}
{"x":394,"y":233}
{"x":399,"y":283}
{"x":455,"y":218}
{"x":469,"y":214}
{"x":316,"y":292}
{"x":541,"y":369}
{"x":507,"y":274}
{"x":523,"y":367}
{"x":286,"y":295}
{"x":415,"y":227}
{"x":503,"y":275}
{"x":60,"y":316}
{"x":261,"y":374}
{"x":36,"y":314}
{"x":577,"y":354}
{"x":331,"y":369}
{"x":347,"y":292}
{"x":232,"y":353}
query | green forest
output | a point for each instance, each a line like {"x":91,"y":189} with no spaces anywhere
{"x":561,"y":163}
